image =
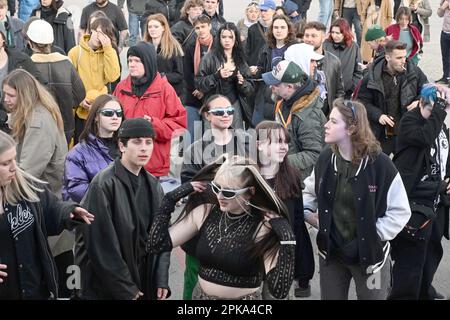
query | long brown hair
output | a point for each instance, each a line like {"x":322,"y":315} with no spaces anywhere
{"x":271,"y":41}
{"x":90,"y":126}
{"x":169,"y":45}
{"x":30,"y":94}
{"x":288,"y":179}
{"x":362,"y":138}
{"x":107,"y":28}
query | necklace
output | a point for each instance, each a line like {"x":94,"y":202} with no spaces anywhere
{"x":223,"y":223}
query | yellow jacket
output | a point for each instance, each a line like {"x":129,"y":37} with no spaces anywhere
{"x":96,"y":68}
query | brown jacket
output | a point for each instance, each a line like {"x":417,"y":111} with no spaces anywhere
{"x":369,"y":17}
{"x":339,"y":5}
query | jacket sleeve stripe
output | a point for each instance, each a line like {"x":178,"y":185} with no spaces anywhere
{"x":397,"y":213}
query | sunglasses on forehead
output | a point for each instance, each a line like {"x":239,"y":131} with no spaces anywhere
{"x":110,"y":112}
{"x":221,"y":112}
{"x":227,"y":193}
{"x":349,"y":104}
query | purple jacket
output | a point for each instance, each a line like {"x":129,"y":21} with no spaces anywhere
{"x":83,"y":162}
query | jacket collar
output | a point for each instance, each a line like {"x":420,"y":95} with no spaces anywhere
{"x":305,"y":101}
{"x":362,"y":163}
{"x":98,"y":144}
{"x":375,"y":74}
{"x":154,"y":88}
{"x":48,"y":58}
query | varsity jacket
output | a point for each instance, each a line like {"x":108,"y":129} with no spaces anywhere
{"x":380,"y":201}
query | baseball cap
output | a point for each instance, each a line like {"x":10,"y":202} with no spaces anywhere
{"x":267,"y":4}
{"x":285,"y":71}
{"x":40,"y":31}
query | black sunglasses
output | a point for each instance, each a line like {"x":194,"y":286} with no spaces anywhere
{"x":349,"y":104}
{"x":110,"y":112}
{"x":227,"y":193}
{"x":221,"y":112}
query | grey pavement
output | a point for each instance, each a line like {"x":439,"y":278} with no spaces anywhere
{"x":431,"y":65}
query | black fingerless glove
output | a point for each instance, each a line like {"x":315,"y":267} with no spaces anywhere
{"x":159,"y":237}
{"x":280,"y":278}
{"x":440,"y":103}
{"x":282,"y":229}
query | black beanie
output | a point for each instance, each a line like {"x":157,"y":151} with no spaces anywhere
{"x":136,"y":128}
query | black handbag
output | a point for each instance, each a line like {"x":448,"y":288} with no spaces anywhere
{"x":419,"y":225}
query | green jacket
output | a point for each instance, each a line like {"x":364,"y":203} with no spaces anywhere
{"x":307,"y":132}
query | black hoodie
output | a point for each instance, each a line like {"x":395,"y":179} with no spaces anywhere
{"x":147,"y":53}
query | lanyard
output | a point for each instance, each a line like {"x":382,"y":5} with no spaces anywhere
{"x":280,"y":114}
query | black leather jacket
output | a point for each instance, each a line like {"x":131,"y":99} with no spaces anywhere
{"x":208,"y":81}
{"x":111,"y":251}
{"x":165,"y":7}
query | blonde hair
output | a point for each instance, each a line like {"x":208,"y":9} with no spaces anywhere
{"x":246,"y":173}
{"x":170,"y":47}
{"x":30,"y":93}
{"x":24,"y":186}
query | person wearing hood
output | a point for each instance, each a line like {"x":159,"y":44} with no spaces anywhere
{"x":146,"y":94}
{"x":299,"y":109}
{"x":11,"y":27}
{"x":291,"y":9}
{"x":303,"y":7}
{"x":60,"y":19}
{"x":97,"y":63}
{"x":307,"y":59}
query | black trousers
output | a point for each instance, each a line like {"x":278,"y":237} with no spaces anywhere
{"x":388,"y":145}
{"x":445,"y":52}
{"x":416,"y":262}
{"x":63,"y":261}
{"x":434,"y":254}
{"x":409,"y":261}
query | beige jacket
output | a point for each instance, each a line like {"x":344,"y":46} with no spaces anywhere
{"x":339,"y":5}
{"x":371,"y":16}
{"x":42,"y":153}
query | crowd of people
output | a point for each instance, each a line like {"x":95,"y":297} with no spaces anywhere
{"x":284,"y":124}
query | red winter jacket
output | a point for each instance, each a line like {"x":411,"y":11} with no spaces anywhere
{"x":169,"y":118}
{"x":394,"y":30}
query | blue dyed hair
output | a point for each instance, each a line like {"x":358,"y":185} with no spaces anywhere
{"x":429,"y":93}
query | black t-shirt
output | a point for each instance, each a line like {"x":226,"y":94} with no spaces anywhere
{"x":10,"y":288}
{"x":142,"y":200}
{"x":112,"y":12}
{"x":24,"y":253}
